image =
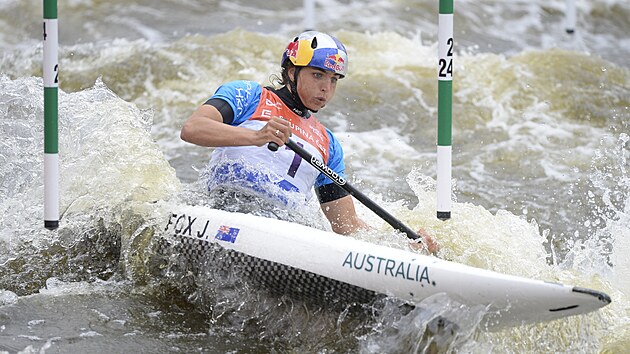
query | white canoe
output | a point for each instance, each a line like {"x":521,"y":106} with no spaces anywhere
{"x":320,"y":264}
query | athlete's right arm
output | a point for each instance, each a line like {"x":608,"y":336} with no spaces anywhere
{"x":205,"y":127}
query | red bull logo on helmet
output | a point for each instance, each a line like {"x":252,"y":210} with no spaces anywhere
{"x":292,"y":49}
{"x":336,"y":63}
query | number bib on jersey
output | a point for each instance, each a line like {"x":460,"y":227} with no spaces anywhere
{"x":258,"y":166}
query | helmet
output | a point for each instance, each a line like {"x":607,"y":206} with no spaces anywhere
{"x":318,"y":50}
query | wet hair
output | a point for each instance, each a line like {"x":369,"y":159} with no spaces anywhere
{"x":282,"y":79}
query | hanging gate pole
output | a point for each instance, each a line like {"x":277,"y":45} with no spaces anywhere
{"x":445,"y":108}
{"x":51,"y":110}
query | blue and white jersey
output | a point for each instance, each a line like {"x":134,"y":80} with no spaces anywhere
{"x":264,"y":171}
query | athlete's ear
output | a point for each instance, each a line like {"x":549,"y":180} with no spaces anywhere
{"x":291,"y":71}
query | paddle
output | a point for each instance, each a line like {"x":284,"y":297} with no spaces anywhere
{"x":341,"y":182}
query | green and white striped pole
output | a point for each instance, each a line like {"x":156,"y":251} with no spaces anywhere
{"x":51,"y":110}
{"x":445,"y":109}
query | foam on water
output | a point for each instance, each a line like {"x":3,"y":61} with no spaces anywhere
{"x":108,"y":163}
{"x":540,"y":158}
{"x":510,"y":244}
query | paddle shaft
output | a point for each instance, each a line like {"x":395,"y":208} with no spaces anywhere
{"x":341,"y":182}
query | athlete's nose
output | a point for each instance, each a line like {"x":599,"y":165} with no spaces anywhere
{"x":327,"y":85}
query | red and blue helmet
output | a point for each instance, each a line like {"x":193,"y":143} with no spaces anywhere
{"x":318,"y":50}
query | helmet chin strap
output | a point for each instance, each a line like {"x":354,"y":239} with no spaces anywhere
{"x":300,"y":108}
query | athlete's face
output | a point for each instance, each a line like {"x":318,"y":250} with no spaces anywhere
{"x":316,"y":87}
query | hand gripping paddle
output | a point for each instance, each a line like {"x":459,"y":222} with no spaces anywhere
{"x":341,"y":182}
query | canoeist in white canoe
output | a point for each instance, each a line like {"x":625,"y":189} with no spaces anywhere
{"x":242,"y":117}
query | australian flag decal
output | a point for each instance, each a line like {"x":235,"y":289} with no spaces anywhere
{"x":226,"y":233}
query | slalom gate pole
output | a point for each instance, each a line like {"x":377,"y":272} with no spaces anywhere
{"x":570,"y":16}
{"x":51,"y":111}
{"x":445,"y":109}
{"x":309,"y":15}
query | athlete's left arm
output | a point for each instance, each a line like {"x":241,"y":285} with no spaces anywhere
{"x":336,"y":203}
{"x":343,"y":216}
